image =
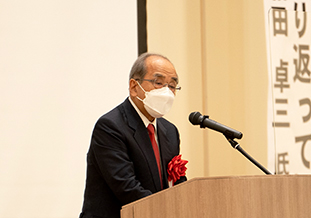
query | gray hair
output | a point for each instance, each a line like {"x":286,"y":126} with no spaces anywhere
{"x":139,"y":68}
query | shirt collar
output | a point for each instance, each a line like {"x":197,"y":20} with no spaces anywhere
{"x":142,"y":116}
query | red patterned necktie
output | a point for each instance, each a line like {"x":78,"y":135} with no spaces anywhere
{"x":155,"y":147}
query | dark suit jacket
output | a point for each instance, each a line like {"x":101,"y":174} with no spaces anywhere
{"x":121,"y":166}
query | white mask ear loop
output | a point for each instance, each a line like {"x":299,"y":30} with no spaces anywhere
{"x":141,"y":89}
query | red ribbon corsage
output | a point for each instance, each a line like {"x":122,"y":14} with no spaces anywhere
{"x":175,"y":169}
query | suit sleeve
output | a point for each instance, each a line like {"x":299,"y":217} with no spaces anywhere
{"x":111,"y":156}
{"x":181,"y":180}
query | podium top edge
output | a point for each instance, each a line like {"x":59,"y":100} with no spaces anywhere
{"x":245,"y":177}
{"x":250,"y":177}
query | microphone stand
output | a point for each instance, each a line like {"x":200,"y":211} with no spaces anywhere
{"x":237,"y":146}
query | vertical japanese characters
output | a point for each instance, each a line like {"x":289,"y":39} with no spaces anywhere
{"x":290,"y":39}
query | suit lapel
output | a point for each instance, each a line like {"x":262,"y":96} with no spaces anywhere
{"x":164,"y":149}
{"x":143,"y":141}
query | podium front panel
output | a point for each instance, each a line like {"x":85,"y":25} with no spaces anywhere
{"x":285,"y":196}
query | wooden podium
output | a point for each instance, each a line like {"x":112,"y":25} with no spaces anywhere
{"x":283,"y":196}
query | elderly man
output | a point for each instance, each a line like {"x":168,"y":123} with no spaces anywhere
{"x":132,"y":144}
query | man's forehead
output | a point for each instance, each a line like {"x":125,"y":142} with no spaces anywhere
{"x":160,"y":67}
{"x":159,"y":62}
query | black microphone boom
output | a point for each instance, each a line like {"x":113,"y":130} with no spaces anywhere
{"x":196,"y":118}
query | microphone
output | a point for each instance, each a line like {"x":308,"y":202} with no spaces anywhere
{"x":196,"y":118}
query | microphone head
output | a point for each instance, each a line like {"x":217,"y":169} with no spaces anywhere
{"x":196,"y":118}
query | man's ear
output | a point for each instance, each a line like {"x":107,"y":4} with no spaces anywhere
{"x":133,"y":87}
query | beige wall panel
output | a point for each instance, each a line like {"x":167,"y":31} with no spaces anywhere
{"x":174,"y":31}
{"x":218,"y":48}
{"x":236,"y":80}
{"x":63,"y":64}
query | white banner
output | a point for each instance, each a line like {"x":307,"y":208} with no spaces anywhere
{"x":288,"y":27}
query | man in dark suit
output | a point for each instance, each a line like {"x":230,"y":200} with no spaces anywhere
{"x":124,"y":162}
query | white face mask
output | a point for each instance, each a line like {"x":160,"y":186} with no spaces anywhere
{"x":158,"y":102}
